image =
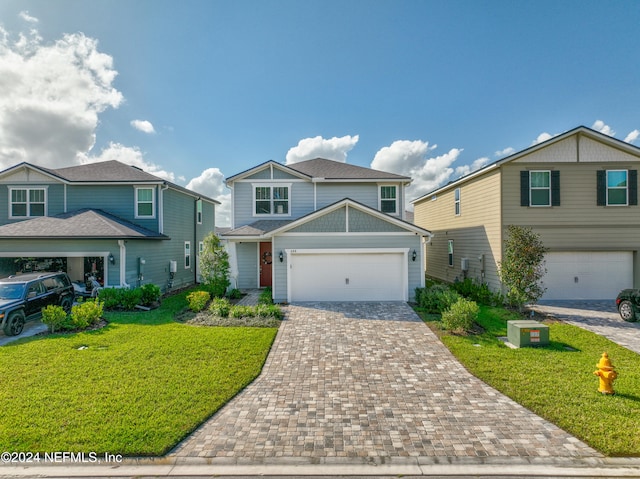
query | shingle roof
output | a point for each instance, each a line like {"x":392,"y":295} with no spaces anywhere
{"x":79,"y":224}
{"x":336,"y":170}
{"x":257,"y":228}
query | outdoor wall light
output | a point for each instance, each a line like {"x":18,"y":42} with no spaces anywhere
{"x":281,"y":256}
{"x":414,"y":255}
{"x":112,"y":260}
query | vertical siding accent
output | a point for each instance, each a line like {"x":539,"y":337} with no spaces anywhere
{"x":555,"y":188}
{"x":524,"y":188}
{"x":601,"y":184}
{"x":633,"y":187}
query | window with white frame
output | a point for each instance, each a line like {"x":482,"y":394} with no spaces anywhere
{"x":456,"y":201}
{"x":450,"y":252}
{"x":27,"y":202}
{"x":199,"y":212}
{"x":540,"y":188}
{"x":145,"y":202}
{"x":187,"y":254}
{"x":389,"y":199}
{"x":617,"y":191}
{"x":271,"y":200}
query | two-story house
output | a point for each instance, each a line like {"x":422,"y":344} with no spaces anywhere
{"x":321,"y":230}
{"x":578,"y":191}
{"x":113,"y":221}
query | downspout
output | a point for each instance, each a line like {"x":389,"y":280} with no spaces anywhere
{"x":164,"y":187}
{"x":123,"y":263}
{"x":196,"y":246}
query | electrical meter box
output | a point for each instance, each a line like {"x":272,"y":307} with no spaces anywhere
{"x":527,"y":333}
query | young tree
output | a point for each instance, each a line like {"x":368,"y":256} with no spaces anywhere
{"x":522,"y":267}
{"x":214,"y":266}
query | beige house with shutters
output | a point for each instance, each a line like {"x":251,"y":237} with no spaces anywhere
{"x":578,"y":191}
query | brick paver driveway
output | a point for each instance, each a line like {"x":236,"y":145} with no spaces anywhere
{"x":370,"y":380}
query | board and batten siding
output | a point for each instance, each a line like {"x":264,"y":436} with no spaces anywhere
{"x":344,"y":241}
{"x":476,"y":231}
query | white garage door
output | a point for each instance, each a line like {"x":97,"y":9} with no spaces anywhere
{"x":352,"y":276}
{"x":588,"y":274}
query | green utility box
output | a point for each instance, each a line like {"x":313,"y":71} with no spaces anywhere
{"x":526,"y":332}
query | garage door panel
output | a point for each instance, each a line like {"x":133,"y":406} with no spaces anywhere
{"x":587,"y":274}
{"x":347,"y":277}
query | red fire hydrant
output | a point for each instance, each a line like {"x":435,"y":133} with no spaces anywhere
{"x":606,"y":374}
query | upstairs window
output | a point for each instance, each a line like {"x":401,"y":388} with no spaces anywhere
{"x":27,"y":202}
{"x":145,"y":203}
{"x":271,"y":200}
{"x":199,"y":212}
{"x":456,"y":201}
{"x":617,"y":187}
{"x":540,"y":188}
{"x":389,"y":200}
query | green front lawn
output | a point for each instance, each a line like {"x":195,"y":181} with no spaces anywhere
{"x":557,"y":382}
{"x":135,"y":387}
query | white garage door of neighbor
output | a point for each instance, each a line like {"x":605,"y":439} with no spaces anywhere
{"x":587,"y":274}
{"x":348,"y":277}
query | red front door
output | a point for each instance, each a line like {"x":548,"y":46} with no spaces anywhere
{"x":265,"y":264}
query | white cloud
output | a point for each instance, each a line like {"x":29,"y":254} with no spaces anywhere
{"x":28,"y":18}
{"x":332,"y":149}
{"x":51,"y":97}
{"x":542,"y":137}
{"x":600,"y":126}
{"x":211,"y":183}
{"x":410,"y":158}
{"x":506,"y":152}
{"x":143,"y":126}
{"x":476,"y":165}
{"x":632,"y":136}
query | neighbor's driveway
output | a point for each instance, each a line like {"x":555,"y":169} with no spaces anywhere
{"x":370,"y":380}
{"x":600,"y":317}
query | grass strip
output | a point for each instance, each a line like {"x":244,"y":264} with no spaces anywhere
{"x":557,"y":382}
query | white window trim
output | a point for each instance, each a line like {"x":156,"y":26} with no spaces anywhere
{"x":29,"y":188}
{"x":531,"y":188}
{"x":187,"y":254}
{"x":457,"y":210}
{"x":270,"y":185}
{"x":380,"y":199}
{"x":607,"y":188}
{"x":153,"y":202}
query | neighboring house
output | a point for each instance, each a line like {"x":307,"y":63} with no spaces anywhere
{"x":321,"y":230}
{"x":116,"y":222}
{"x":578,"y":191}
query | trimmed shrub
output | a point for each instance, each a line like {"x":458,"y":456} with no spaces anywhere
{"x":268,"y":311}
{"x":459,"y":318}
{"x":86,"y":314}
{"x":54,"y":316}
{"x":220,"y":307}
{"x":198,"y":300}
{"x":130,"y":298}
{"x":478,"y":292}
{"x":110,"y":297}
{"x":266,"y":297}
{"x":242,"y":312}
{"x":235,"y":294}
{"x":150,"y":293}
{"x":437,"y":298}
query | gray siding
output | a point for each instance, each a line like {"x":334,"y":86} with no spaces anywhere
{"x":329,"y":193}
{"x":359,"y":221}
{"x":330,"y":223}
{"x":300,"y":203}
{"x":247,"y":257}
{"x":410,"y":241}
{"x":55,"y":198}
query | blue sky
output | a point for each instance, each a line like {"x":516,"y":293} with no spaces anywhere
{"x":206,"y":89}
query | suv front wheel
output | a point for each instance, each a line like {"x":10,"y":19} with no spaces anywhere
{"x":627,"y":311}
{"x":66,"y":303}
{"x":14,"y":324}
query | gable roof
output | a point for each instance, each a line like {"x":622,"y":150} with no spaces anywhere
{"x":80,"y":224}
{"x":323,"y":169}
{"x":581,"y":130}
{"x":112,"y":171}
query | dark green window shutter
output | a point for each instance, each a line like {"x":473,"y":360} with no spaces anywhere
{"x":633,"y":187}
{"x":555,"y":188}
{"x":524,"y":188}
{"x":601,"y":183}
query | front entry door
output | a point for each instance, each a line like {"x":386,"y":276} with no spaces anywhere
{"x":265,"y":264}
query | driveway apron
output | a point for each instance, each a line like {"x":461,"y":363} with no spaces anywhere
{"x":370,"y":380}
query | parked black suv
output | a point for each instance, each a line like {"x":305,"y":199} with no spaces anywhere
{"x":628,"y":301}
{"x":22,"y":298}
